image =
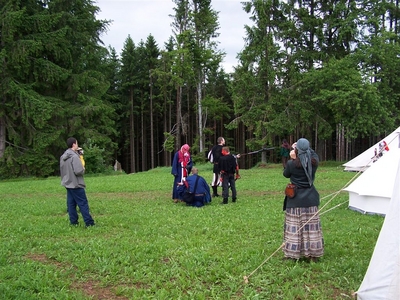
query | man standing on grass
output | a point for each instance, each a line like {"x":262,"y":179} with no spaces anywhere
{"x":72,"y":170}
{"x":228,"y":167}
{"x":216,"y":153}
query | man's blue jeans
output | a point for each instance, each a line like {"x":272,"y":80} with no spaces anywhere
{"x":77,"y":197}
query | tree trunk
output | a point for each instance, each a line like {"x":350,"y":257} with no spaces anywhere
{"x":143,"y":142}
{"x":178,"y":117}
{"x":2,"y":136}
{"x":151,"y":124}
{"x":132,"y":133}
{"x":200,"y":113}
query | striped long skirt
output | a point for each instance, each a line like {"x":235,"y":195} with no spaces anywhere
{"x":303,"y":233}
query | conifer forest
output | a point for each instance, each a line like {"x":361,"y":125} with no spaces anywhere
{"x":328,"y":71}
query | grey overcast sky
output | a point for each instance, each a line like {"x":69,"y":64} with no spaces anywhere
{"x":139,"y":18}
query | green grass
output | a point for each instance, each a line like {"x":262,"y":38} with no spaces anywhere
{"x":146,"y":247}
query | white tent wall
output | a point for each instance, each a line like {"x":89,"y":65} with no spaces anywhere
{"x":372,"y":190}
{"x":364,"y":160}
{"x":382,"y":279}
{"x":368,"y":205}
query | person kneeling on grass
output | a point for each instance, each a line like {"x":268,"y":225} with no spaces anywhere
{"x":202,"y":193}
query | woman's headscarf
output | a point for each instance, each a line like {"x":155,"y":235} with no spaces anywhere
{"x":185,"y":148}
{"x":304,"y":153}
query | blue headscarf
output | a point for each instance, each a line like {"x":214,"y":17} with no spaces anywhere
{"x":304,"y":153}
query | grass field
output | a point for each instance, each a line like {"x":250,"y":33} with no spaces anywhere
{"x":144,"y":246}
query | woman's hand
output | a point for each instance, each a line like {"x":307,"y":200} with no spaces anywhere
{"x":292,"y":154}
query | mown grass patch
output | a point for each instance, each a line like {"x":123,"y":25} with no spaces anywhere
{"x":146,"y":247}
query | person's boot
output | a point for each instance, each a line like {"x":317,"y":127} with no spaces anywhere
{"x":215,"y":191}
{"x":234,"y":200}
{"x":225,"y":201}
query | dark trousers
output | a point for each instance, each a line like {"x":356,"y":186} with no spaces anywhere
{"x":77,"y":197}
{"x":228,"y":180}
{"x":198,"y":201}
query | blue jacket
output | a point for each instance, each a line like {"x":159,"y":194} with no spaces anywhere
{"x":202,"y":192}
{"x":176,"y":166}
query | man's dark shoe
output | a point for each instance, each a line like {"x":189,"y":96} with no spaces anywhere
{"x":233,"y":200}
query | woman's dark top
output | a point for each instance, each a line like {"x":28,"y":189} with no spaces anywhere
{"x":306,"y":196}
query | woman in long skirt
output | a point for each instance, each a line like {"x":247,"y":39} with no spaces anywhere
{"x":302,"y":231}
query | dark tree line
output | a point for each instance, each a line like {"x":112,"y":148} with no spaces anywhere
{"x":324,"y":70}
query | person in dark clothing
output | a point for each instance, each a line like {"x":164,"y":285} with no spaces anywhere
{"x":302,"y":241}
{"x":72,"y":170}
{"x":181,"y":167}
{"x":216,"y":153}
{"x":202,"y":193}
{"x":227,"y":168}
{"x":285,"y":150}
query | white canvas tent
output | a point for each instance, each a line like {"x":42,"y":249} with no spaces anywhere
{"x":365,"y":159}
{"x":372,"y":190}
{"x":382,"y":279}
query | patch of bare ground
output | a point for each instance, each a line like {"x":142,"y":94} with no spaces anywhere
{"x":95,"y":291}
{"x":340,"y":294}
{"x":261,"y":193}
{"x":91,"y":288}
{"x":145,"y":196}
